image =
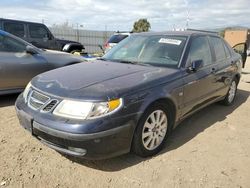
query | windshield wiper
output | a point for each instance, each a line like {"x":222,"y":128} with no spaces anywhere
{"x":134,"y":63}
{"x":125,"y":61}
{"x":103,"y":59}
{"x":128,"y":62}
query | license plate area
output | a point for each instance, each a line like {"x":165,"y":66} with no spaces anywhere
{"x":25,"y":120}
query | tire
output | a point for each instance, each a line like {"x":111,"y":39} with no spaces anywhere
{"x":150,"y":136}
{"x":230,"y":97}
{"x":75,"y":52}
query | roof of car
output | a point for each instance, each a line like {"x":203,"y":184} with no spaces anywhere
{"x":122,"y":33}
{"x":180,"y":33}
{"x":11,"y":20}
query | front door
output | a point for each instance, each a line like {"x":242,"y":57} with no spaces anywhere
{"x":41,"y":37}
{"x":198,"y":85}
{"x":17,"y":67}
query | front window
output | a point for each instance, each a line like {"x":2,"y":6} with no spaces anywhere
{"x":8,"y":44}
{"x":38,"y":31}
{"x":200,"y":50}
{"x":158,"y":50}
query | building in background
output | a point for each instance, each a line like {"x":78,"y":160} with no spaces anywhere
{"x":236,"y":36}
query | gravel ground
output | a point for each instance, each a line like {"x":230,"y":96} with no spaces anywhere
{"x":209,"y":149}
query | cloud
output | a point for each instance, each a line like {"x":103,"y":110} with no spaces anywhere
{"x":121,"y":14}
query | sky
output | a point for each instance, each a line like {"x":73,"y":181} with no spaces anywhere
{"x":121,"y":14}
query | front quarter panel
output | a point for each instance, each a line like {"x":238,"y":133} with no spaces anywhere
{"x":136,"y":104}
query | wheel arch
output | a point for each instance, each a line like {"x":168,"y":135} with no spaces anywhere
{"x":72,"y":46}
{"x":165,"y":101}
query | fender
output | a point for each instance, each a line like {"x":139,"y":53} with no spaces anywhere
{"x":69,"y":47}
{"x":143,"y":99}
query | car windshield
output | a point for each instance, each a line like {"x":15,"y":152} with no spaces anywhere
{"x":157,"y":50}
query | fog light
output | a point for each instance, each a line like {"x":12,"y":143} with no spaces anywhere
{"x":78,"y":150}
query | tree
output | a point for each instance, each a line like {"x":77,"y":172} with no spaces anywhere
{"x":142,"y":25}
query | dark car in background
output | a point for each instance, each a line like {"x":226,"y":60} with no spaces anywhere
{"x":21,"y":61}
{"x":39,"y":35}
{"x":132,"y":98}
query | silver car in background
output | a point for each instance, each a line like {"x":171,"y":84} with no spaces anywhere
{"x":21,"y":61}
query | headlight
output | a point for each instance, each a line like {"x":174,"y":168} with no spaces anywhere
{"x":86,"y":110}
{"x":26,"y":91}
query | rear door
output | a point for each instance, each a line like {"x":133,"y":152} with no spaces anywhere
{"x":16,"y":66}
{"x":224,"y":65}
{"x":199,"y":86}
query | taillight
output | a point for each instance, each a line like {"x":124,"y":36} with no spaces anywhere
{"x":106,"y":45}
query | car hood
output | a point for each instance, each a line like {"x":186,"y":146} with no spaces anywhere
{"x":62,"y":41}
{"x":101,"y":80}
{"x":59,"y":58}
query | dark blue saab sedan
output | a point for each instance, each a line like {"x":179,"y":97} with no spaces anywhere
{"x":133,"y":97}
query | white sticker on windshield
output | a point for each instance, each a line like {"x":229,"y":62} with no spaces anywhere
{"x":170,"y":41}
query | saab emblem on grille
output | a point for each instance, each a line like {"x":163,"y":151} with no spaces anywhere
{"x":39,"y":101}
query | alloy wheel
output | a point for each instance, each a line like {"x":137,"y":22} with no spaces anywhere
{"x":232,"y":91}
{"x":154,"y":129}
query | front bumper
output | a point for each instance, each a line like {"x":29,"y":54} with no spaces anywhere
{"x":89,"y":145}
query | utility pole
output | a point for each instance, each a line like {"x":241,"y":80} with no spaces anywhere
{"x":106,"y":33}
{"x":77,"y":32}
{"x":187,"y":21}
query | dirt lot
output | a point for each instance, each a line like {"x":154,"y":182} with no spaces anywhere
{"x":210,"y":149}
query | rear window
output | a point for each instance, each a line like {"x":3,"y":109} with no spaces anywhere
{"x":16,"y":29}
{"x":117,"y":38}
{"x":218,"y":46}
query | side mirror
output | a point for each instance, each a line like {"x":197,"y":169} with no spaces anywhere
{"x":195,"y":65}
{"x":47,"y":37}
{"x":50,"y":37}
{"x":31,"y":50}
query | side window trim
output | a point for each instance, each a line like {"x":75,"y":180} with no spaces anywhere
{"x":227,"y":49}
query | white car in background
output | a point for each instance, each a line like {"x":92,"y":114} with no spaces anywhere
{"x":115,"y":39}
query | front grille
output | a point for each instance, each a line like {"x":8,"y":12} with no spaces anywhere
{"x":50,"y":106}
{"x":36,"y":100}
{"x":39,"y":101}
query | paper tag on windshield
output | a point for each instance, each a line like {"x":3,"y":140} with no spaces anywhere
{"x":170,"y":41}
